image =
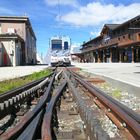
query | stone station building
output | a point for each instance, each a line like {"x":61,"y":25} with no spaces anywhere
{"x":17,"y":41}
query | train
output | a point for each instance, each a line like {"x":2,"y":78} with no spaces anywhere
{"x":60,"y":51}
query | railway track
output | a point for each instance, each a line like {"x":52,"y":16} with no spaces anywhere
{"x":63,"y":106}
{"x":125,"y":119}
{"x":12,"y":100}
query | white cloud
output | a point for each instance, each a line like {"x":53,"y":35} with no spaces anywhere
{"x":75,"y":48}
{"x":95,"y":33}
{"x":95,"y":13}
{"x":61,"y":2}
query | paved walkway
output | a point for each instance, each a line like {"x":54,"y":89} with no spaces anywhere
{"x":14,"y":72}
{"x":125,"y":72}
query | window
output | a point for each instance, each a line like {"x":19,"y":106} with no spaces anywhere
{"x":16,"y":41}
{"x":119,"y":38}
{"x":123,"y":30}
{"x":129,"y":36}
{"x":123,"y":37}
{"x":0,"y":28}
{"x":118,"y":32}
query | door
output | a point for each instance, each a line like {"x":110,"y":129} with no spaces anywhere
{"x":0,"y":54}
{"x":5,"y":59}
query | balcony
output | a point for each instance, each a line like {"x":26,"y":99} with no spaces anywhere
{"x":122,"y":41}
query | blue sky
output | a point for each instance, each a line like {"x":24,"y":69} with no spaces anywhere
{"x":79,"y":19}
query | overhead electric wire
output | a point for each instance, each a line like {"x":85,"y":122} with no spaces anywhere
{"x":59,"y":15}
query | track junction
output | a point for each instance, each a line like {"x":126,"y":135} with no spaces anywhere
{"x":64,"y":105}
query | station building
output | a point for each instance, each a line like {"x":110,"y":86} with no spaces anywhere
{"x":116,"y":43}
{"x":17,"y":41}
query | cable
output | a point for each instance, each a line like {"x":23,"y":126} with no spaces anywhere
{"x":59,"y":15}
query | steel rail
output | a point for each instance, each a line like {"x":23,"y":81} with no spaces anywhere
{"x":13,"y":133}
{"x":46,"y":126}
{"x":70,"y":84}
{"x":30,"y":132}
{"x":83,"y":109}
{"x":133,"y":124}
{"x":58,"y":75}
{"x":16,"y":91}
{"x":129,"y":111}
{"x":8,"y":107}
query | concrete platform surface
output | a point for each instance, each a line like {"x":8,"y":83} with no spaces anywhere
{"x":125,"y":72}
{"x":14,"y":72}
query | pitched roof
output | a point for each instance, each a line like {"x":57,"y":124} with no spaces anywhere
{"x":9,"y":36}
{"x":109,"y":26}
{"x":131,"y":21}
{"x":112,"y":26}
{"x":90,"y":41}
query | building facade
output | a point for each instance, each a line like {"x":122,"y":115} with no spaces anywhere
{"x":116,"y":43}
{"x":17,"y":41}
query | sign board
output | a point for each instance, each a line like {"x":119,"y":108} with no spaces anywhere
{"x":11,"y":30}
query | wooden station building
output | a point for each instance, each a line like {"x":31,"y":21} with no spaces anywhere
{"x":116,"y":43}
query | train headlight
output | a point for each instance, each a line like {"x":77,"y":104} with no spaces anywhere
{"x":53,"y":59}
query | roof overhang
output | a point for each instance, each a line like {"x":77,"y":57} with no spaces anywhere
{"x":10,"y":36}
{"x":18,"y":19}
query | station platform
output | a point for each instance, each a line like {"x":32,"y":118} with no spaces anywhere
{"x":123,"y":75}
{"x":19,"y":71}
